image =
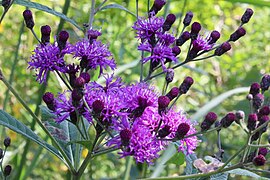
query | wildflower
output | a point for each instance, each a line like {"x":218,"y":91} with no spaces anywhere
{"x":94,"y":54}
{"x":186,"y":84}
{"x":259,"y":160}
{"x":45,"y":34}
{"x":265,"y":82}
{"x":228,"y":120}
{"x":157,"y":6}
{"x":48,"y":98}
{"x":62,"y":39}
{"x":183,"y":38}
{"x":258,"y":101}
{"x":188,"y":18}
{"x":252,"y":120}
{"x":224,"y":47}
{"x":237,"y":34}
{"x":28,"y":18}
{"x":47,"y":58}
{"x":170,"y":19}
{"x":7,"y":142}
{"x":209,"y":119}
{"x":254,"y":89}
{"x":247,"y":15}
{"x":7,"y":170}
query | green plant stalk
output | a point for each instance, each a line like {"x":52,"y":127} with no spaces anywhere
{"x":15,"y":61}
{"x":92,"y":14}
{"x":14,"y":92}
{"x":128,"y":168}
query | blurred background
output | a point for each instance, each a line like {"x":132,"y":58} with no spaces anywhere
{"x":244,"y":64}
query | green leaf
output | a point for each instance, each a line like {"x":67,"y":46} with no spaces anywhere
{"x":86,"y":144}
{"x":15,"y":125}
{"x":177,"y":159}
{"x":48,"y":10}
{"x":256,"y":3}
{"x":244,"y":172}
{"x":189,"y":164}
{"x":220,"y":176}
{"x":216,"y":101}
{"x":117,"y":6}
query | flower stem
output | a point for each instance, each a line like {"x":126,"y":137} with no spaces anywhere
{"x":92,"y":14}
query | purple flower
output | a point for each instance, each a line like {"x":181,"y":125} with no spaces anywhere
{"x":96,"y":54}
{"x":47,"y":58}
{"x":148,"y":28}
{"x":64,"y":106}
{"x":202,"y":44}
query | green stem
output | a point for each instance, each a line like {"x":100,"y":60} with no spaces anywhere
{"x":128,"y":168}
{"x":68,"y":162}
{"x":92,"y":14}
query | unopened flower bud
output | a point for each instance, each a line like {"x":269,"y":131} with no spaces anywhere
{"x":93,"y":34}
{"x":165,"y":131}
{"x":85,"y":76}
{"x":254,"y":89}
{"x":195,"y":29}
{"x":76,"y":95}
{"x":7,"y":142}
{"x":176,"y":50}
{"x":228,"y":120}
{"x":259,"y":160}
{"x":62,"y":39}
{"x":73,"y":117}
{"x":183,"y":38}
{"x":170,"y":19}
{"x":97,"y":106}
{"x":182,"y":130}
{"x":214,"y":36}
{"x":265,"y":82}
{"x":157,"y":6}
{"x":169,"y":75}
{"x":6,"y":3}
{"x":186,"y":84}
{"x":7,"y":170}
{"x":263,"y":120}
{"x":265,"y":110}
{"x":222,"y":49}
{"x":247,"y":15}
{"x":163,"y":102}
{"x":237,"y":34}
{"x":258,"y":101}
{"x":249,"y":97}
{"x":188,"y":18}
{"x":239,"y":116}
{"x":125,"y":136}
{"x":209,"y":119}
{"x":1,"y":153}
{"x":45,"y":34}
{"x":263,"y":151}
{"x":48,"y":98}
{"x":173,"y":93}
{"x":28,"y":18}
{"x":252,"y":120}
{"x":79,"y":82}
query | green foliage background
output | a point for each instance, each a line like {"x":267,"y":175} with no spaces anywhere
{"x":244,"y":64}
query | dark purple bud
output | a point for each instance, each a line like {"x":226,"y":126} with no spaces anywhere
{"x":265,"y":82}
{"x":222,"y":49}
{"x":263,"y":120}
{"x":254,"y":89}
{"x":97,"y":106}
{"x":157,"y":6}
{"x":125,"y":136}
{"x":255,"y":136}
{"x":76,"y":95}
{"x":6,"y":3}
{"x":176,"y":50}
{"x":163,"y":102}
{"x":183,"y":38}
{"x":228,"y":120}
{"x":173,"y":93}
{"x":265,"y":110}
{"x":169,"y":75}
{"x":214,"y":36}
{"x":186,"y":84}
{"x":7,"y":142}
{"x":263,"y":151}
{"x":237,"y":34}
{"x":79,"y":82}
{"x":258,"y":101}
{"x":7,"y":170}
{"x":239,"y":116}
{"x":28,"y":18}
{"x":45,"y":34}
{"x":210,"y":118}
{"x":1,"y":153}
{"x":48,"y":98}
{"x":195,"y":29}
{"x":165,"y":131}
{"x":170,"y":19}
{"x":93,"y":34}
{"x":251,"y":156}
{"x":247,"y":15}
{"x":85,"y":76}
{"x":205,"y":126}
{"x":188,"y":18}
{"x":182,"y":130}
{"x":62,"y":39}
{"x":84,"y":62}
{"x":218,"y":124}
{"x":259,"y":160}
{"x":252,"y":120}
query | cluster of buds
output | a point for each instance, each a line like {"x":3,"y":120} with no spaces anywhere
{"x":7,"y":169}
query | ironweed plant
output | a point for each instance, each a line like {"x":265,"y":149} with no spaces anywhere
{"x":135,"y":119}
